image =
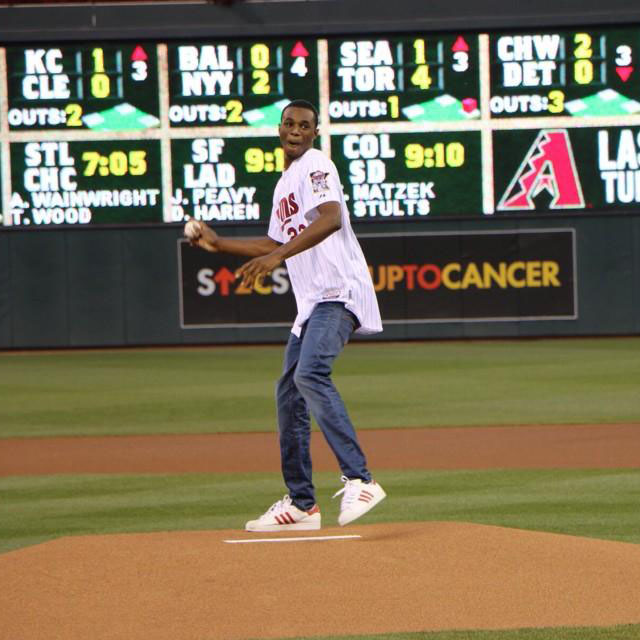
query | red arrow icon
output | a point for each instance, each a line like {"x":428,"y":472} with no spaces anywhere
{"x":139,"y":54}
{"x":624,"y":72}
{"x":299,"y":50}
{"x":460,"y":45}
{"x":223,"y":279}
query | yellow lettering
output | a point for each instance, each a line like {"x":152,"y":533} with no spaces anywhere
{"x":491,"y":275}
{"x":511,"y":277}
{"x":550,"y":270}
{"x":242,"y":290}
{"x":259,"y":286}
{"x":395,"y":273}
{"x":472,"y":277}
{"x":448,"y":282}
{"x":382,"y":278}
{"x":534,"y":271}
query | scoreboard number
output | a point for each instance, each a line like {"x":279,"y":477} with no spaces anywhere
{"x":74,"y":115}
{"x":100,"y":83}
{"x":116,"y":163}
{"x":257,"y":160}
{"x":299,"y":67}
{"x":438,"y":156}
{"x":623,"y":55}
{"x":461,"y":61}
{"x":556,"y":101}
{"x":260,"y":58}
{"x":234,"y":111}
{"x":583,"y":67}
{"x":421,"y":77}
{"x":139,"y":73}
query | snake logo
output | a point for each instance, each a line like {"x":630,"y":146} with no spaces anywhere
{"x":549,"y":165}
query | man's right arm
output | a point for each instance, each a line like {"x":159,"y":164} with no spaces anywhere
{"x":209,"y":240}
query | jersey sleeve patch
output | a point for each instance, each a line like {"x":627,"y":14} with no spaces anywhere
{"x":319,"y":181}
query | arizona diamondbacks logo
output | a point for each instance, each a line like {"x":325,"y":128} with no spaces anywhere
{"x":549,"y":165}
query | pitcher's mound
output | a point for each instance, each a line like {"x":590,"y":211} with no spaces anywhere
{"x":397,"y":577}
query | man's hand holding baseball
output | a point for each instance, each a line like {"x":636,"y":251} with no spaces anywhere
{"x":206,"y":238}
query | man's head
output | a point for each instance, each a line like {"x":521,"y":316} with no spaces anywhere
{"x":298,"y":129}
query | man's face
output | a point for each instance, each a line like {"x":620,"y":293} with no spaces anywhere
{"x":297,"y":130}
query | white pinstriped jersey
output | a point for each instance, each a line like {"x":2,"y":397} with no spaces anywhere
{"x":334,"y":269}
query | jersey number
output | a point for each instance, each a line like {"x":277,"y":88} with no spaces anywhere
{"x":293,"y":232}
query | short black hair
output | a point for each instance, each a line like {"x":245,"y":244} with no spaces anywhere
{"x":303,"y":104}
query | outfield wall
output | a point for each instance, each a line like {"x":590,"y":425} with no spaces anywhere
{"x":515,"y":273}
{"x":102,"y":287}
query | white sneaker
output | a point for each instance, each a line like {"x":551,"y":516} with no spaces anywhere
{"x":285,"y":516}
{"x":358,"y":498}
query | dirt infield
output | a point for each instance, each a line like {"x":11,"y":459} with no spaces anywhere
{"x":532,"y":447}
{"x":397,"y":577}
{"x":393,"y":578}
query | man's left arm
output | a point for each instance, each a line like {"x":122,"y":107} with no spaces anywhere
{"x":328,"y":221}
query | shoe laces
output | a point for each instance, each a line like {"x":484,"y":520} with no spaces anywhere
{"x":349,"y":492}
{"x":280,"y":506}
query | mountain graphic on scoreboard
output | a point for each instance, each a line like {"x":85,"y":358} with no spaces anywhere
{"x":268,"y":116}
{"x":443,"y":108}
{"x":123,"y":117}
{"x":604,"y":103}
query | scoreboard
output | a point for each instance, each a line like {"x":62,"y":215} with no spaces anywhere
{"x":239,"y":83}
{"x":398,"y":79}
{"x":573,"y":73}
{"x":82,"y":88}
{"x":420,"y":125}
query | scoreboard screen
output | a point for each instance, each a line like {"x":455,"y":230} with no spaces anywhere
{"x":239,"y":83}
{"x":573,"y":73}
{"x":420,"y":125}
{"x":414,"y":79}
{"x":400,"y":175}
{"x":100,"y":88}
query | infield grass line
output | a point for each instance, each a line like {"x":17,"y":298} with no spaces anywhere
{"x":620,"y":632}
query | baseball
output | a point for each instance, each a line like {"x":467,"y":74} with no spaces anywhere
{"x":192,"y":230}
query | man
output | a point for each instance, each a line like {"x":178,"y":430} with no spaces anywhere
{"x":311,"y":231}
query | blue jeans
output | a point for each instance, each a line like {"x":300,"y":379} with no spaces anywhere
{"x":306,"y":385}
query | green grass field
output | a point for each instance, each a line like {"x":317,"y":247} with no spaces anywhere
{"x":385,"y":385}
{"x":599,"y":503}
{"x":228,"y":389}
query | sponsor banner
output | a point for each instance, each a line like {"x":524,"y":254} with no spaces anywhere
{"x":567,"y":169}
{"x":429,"y":277}
{"x":210,"y":296}
{"x":511,"y":275}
